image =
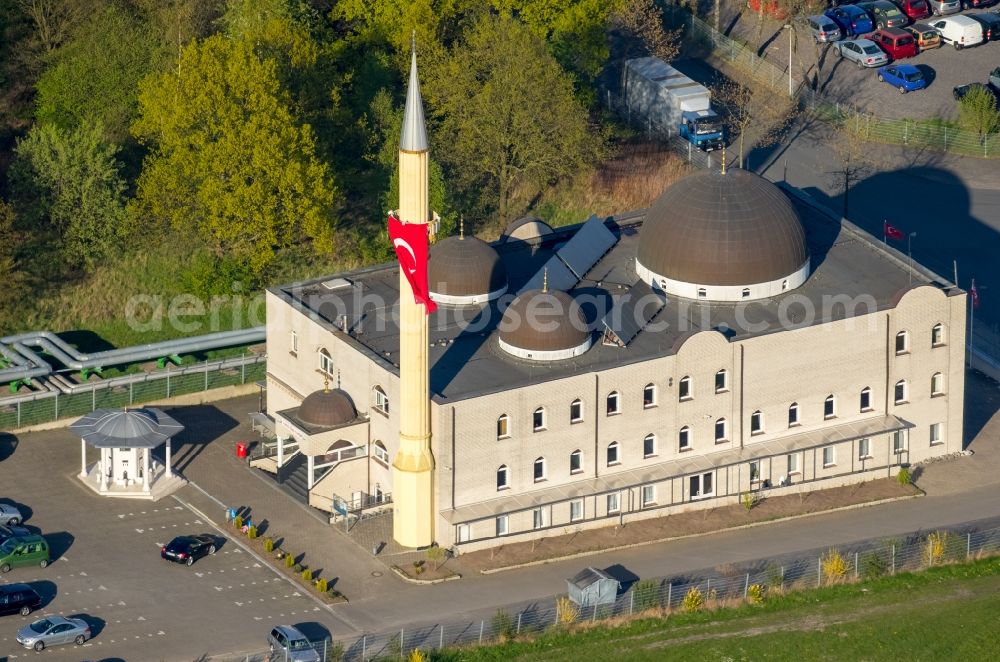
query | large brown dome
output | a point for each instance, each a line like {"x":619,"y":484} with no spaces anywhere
{"x":465,"y":267}
{"x":327,"y":408}
{"x":720,"y":229}
{"x":549,"y":322}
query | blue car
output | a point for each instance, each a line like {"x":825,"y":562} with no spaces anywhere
{"x":852,"y":20}
{"x":904,"y":77}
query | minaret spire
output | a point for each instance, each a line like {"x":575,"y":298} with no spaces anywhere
{"x":414,"y":135}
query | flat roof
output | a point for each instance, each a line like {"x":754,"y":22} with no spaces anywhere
{"x":466,"y":360}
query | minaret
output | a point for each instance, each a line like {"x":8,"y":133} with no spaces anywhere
{"x":413,"y":466}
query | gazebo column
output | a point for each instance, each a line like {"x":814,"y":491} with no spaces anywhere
{"x":83,"y":459}
{"x":102,"y":468}
{"x":169,"y":473}
{"x":145,"y":469}
{"x":281,"y":450}
{"x":310,"y":463}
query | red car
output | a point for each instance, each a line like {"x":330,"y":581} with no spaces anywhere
{"x":914,"y":9}
{"x":896,"y":43}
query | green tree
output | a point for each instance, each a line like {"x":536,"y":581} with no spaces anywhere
{"x":229,"y":158}
{"x":506,"y":117}
{"x":67,"y":185}
{"x":10,"y":278}
{"x":977,"y":112}
{"x":94,"y":76}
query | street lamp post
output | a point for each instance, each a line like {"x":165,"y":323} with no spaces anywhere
{"x":791,"y":34}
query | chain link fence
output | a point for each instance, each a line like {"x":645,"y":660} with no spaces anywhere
{"x":131,"y":390}
{"x":722,"y":585}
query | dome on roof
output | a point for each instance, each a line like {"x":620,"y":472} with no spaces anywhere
{"x":327,"y":408}
{"x":465,"y":270}
{"x":724,"y":237}
{"x":526,"y":227}
{"x":544,"y":325}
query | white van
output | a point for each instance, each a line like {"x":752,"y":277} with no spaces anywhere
{"x":960,"y":31}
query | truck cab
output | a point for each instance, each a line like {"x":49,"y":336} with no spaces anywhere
{"x":703,"y":129}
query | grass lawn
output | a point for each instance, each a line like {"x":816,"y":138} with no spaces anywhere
{"x":947,"y":613}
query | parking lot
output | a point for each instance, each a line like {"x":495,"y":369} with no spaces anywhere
{"x":106,"y":567}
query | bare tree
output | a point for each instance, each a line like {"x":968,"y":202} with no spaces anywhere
{"x":850,"y":142}
{"x":753,"y":110}
{"x":53,"y":20}
{"x":644,"y":20}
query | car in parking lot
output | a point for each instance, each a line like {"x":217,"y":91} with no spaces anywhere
{"x":851,"y":20}
{"x":904,"y":77}
{"x":188,"y":549}
{"x":925,"y":36}
{"x":18,"y":599}
{"x":990,"y":23}
{"x":824,"y":29}
{"x":10,"y":515}
{"x":945,"y":7}
{"x":959,"y":31}
{"x":7,"y":532}
{"x":962,"y":91}
{"x":977,"y":4}
{"x":23,"y":550}
{"x":288,"y":641}
{"x":863,"y":52}
{"x":914,"y":9}
{"x":995,"y":79}
{"x":896,"y":43}
{"x":52,"y":631}
{"x":884,"y":14}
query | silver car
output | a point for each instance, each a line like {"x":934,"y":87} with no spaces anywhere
{"x":53,"y":630}
{"x":824,"y":29}
{"x":287,"y":643}
{"x":945,"y":7}
{"x":9,"y":515}
{"x":864,"y":52}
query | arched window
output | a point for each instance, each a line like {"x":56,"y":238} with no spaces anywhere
{"x":539,"y":469}
{"x":649,"y":445}
{"x":502,"y":477}
{"x":380,"y":452}
{"x":702,"y":293}
{"x":576,"y":462}
{"x":613,"y":453}
{"x":538,"y":420}
{"x":614,"y":403}
{"x":902,"y":342}
{"x":900,"y":392}
{"x":326,"y":363}
{"x":721,"y":430}
{"x":793,"y":414}
{"x":576,"y":411}
{"x":937,"y":335}
{"x":649,"y":395}
{"x":746,"y":292}
{"x":684,"y":389}
{"x":721,"y":381}
{"x":503,"y":426}
{"x":684,"y":438}
{"x":756,"y":422}
{"x":937,"y":384}
{"x":380,"y":400}
{"x":830,"y":407}
{"x":866,"y":399}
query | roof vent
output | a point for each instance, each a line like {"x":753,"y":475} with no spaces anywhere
{"x":337,"y":284}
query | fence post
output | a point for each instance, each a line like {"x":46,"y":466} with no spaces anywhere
{"x":631,"y":602}
{"x":968,"y":545}
{"x":130,"y":399}
{"x":364,"y":647}
{"x":819,"y":571}
{"x":670,"y":593}
{"x":519,"y":621}
{"x":782,"y":585}
{"x":708,"y":587}
{"x":206,"y":374}
{"x":19,"y":414}
{"x":243,"y":368}
{"x":594,"y":619}
{"x":402,"y":648}
{"x":855,"y":565}
{"x":946,"y":138}
{"x":482,"y":624}
{"x":894,"y":558}
{"x":440,"y":639}
{"x":57,"y":407}
{"x":93,"y":397}
{"x":746,"y":586}
{"x":324,"y":649}
{"x":168,"y":380}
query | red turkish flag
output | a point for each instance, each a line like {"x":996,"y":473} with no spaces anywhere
{"x":410,"y":242}
{"x":891,"y":232}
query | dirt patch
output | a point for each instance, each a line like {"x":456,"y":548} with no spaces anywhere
{"x":683,"y":524}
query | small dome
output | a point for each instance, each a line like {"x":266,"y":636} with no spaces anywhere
{"x":526,"y":227}
{"x":544,"y":326}
{"x":714,"y":229}
{"x":465,"y":270}
{"x":327,"y":408}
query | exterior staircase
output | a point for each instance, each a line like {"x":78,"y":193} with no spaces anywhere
{"x":293,"y":478}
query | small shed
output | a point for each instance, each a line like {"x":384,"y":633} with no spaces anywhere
{"x":592,"y":587}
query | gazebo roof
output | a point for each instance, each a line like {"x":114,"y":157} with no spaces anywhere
{"x":131,"y":428}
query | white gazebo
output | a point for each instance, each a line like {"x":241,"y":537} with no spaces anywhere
{"x":125,"y":440}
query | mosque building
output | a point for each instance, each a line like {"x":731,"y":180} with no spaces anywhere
{"x":731,"y":338}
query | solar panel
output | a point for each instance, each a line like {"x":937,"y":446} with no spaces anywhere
{"x":631,"y":313}
{"x":560,"y":277}
{"x":587,"y":246}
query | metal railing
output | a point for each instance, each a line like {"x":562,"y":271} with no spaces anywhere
{"x":130,"y":390}
{"x":729,"y":584}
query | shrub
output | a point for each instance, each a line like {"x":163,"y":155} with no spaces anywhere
{"x":935,"y":547}
{"x":321,"y":585}
{"x":872,"y":566}
{"x":748,"y":501}
{"x":755,"y":594}
{"x":268,"y":545}
{"x":834,"y":566}
{"x":566,"y":611}
{"x":252,"y":532}
{"x":646,"y":595}
{"x":437,"y":556}
{"x":903,"y":477}
{"x":289,"y":560}
{"x":503,"y":624}
{"x":775,"y":576}
{"x":417,"y":655}
{"x":238,"y":522}
{"x":693,"y":600}
{"x":307,"y":574}
{"x":334,"y":652}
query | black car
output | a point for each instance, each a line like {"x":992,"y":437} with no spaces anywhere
{"x":990,"y":23}
{"x":7,"y":531}
{"x":962,"y":90}
{"x":188,"y":549}
{"x":18,"y":599}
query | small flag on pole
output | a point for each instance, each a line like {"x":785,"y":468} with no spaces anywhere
{"x":891,"y":232}
{"x":974,"y":294}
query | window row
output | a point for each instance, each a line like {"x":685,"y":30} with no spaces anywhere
{"x":903,"y":339}
{"x":612,"y":457}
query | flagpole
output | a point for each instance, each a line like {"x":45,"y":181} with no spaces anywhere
{"x":972,"y":319}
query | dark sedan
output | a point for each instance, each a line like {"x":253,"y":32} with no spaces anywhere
{"x":188,"y":549}
{"x":962,"y":90}
{"x":7,"y":532}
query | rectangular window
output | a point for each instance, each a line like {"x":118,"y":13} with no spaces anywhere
{"x":829,"y":407}
{"x":793,"y":463}
{"x":539,"y":470}
{"x":538,"y":420}
{"x":649,"y":446}
{"x":538,"y":519}
{"x":756,"y":423}
{"x":295,"y":343}
{"x":576,"y":412}
{"x":898,"y":442}
{"x":720,"y":430}
{"x":864,"y":449}
{"x":326,"y":364}
{"x":463,"y":533}
{"x":866,"y":400}
{"x":612,"y":454}
{"x":720,"y":381}
{"x":575,"y":462}
{"x":684,"y":438}
{"x":613,"y":404}
{"x":684,"y":388}
{"x":576,"y":510}
{"x":935,"y":433}
{"x":754,"y":471}
{"x":502,"y":525}
{"x":649,"y":396}
{"x":700,"y":485}
{"x":829,"y":458}
{"x":613,"y":505}
{"x":937,"y":336}
{"x":900,"y":392}
{"x":502,"y":427}
{"x":648,"y":495}
{"x":793,"y":415}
